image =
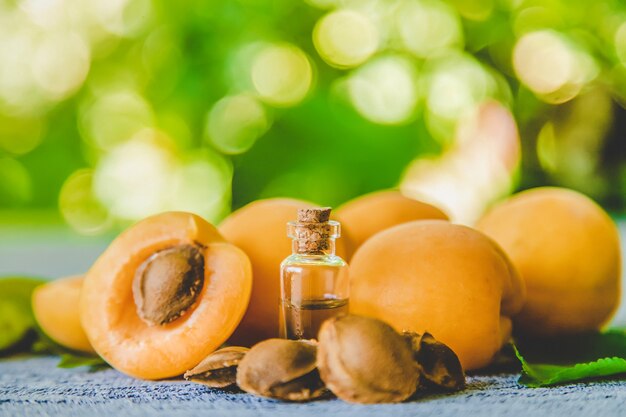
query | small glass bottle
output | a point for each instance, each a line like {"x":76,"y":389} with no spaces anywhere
{"x":314,"y":282}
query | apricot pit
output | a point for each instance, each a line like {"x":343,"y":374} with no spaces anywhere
{"x":364,"y":360}
{"x":168,"y":283}
{"x":439,"y":366}
{"x":282,"y":369}
{"x":219,"y":369}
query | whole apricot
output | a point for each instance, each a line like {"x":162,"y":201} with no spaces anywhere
{"x":369,"y":214}
{"x":567,"y":250}
{"x":55,"y":305}
{"x":166,"y":293}
{"x":448,"y":279}
{"x":260,"y":230}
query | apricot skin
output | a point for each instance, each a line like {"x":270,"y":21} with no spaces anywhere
{"x":109,"y":314}
{"x":369,"y":214}
{"x":449,"y":280}
{"x":566,"y":249}
{"x":260,"y":230}
{"x":55,"y":305}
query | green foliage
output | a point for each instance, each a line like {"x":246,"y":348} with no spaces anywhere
{"x":69,"y":360}
{"x":163,"y":67}
{"x":570,"y":359}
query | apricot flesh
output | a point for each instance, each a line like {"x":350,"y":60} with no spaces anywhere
{"x":447,"y":279}
{"x":260,"y":230}
{"x":55,"y":305}
{"x":154,"y":351}
{"x":369,"y":214}
{"x":567,"y":250}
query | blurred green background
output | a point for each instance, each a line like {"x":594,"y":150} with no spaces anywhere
{"x":111,"y":110}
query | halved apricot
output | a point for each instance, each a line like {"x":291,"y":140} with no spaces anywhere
{"x":166,"y":293}
{"x":55,"y":305}
{"x":369,"y":214}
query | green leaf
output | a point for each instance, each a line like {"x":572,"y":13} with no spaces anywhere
{"x":14,"y":325}
{"x":557,"y":361}
{"x":16,"y":315}
{"x":69,"y":360}
{"x":17,"y":321}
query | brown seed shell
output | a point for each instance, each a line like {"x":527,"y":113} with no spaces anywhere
{"x":168,"y":283}
{"x":439,"y":365}
{"x":280,"y":368}
{"x":219,"y":369}
{"x":364,"y":360}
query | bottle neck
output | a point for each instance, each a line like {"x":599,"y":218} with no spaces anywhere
{"x":302,"y":247}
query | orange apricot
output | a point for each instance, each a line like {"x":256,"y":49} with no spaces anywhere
{"x":567,"y":249}
{"x":367,"y":215}
{"x":55,"y":306}
{"x":447,"y":279}
{"x":166,"y":293}
{"x":260,"y":230}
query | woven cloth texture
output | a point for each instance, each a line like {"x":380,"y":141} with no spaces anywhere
{"x":36,"y":387}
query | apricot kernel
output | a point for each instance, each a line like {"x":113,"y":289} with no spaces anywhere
{"x":364,"y":360}
{"x":281,"y":369}
{"x":439,"y":365}
{"x":168,"y":283}
{"x":219,"y":369}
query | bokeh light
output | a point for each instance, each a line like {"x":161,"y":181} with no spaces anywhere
{"x":453,"y":86}
{"x":19,"y":93}
{"x":568,"y":148}
{"x":384,"y":90}
{"x":552,"y":66}
{"x":533,"y":17}
{"x":345,"y":38}
{"x":114,"y":117}
{"x":547,"y":148}
{"x":282,"y":74}
{"x":325,"y":4}
{"x":80,"y":207}
{"x":235,"y":123}
{"x":122,"y":17}
{"x":15,"y":183}
{"x":620,"y":42}
{"x":202,"y":185}
{"x":428,"y":27}
{"x":21,"y":135}
{"x":146,"y":175}
{"x":114,"y":109}
{"x":134,"y":179}
{"x":60,"y":64}
{"x":456,"y":84}
{"x":474,"y":9}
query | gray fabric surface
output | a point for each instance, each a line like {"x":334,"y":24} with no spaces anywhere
{"x":35,"y":387}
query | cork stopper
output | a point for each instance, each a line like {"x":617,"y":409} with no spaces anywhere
{"x":313,"y":230}
{"x":314,"y":215}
